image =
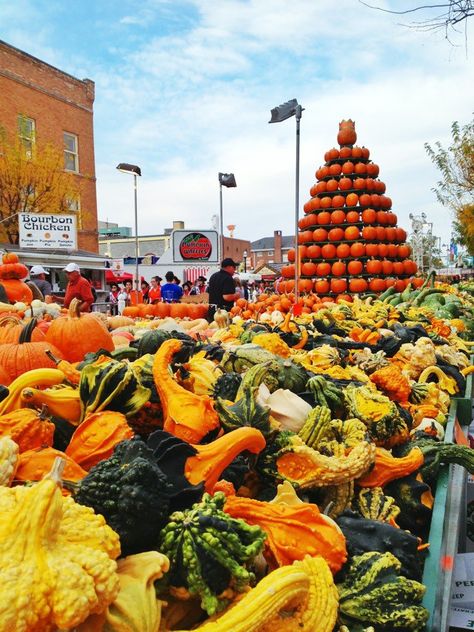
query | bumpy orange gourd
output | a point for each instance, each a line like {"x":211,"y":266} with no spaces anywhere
{"x":293,"y":531}
{"x":186,"y":415}
{"x":96,"y":437}
{"x":28,"y":428}
{"x":388,"y":468}
{"x":34,"y":464}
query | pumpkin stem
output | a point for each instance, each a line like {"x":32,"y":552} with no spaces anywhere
{"x":25,"y":335}
{"x":52,"y":357}
{"x":74,"y":308}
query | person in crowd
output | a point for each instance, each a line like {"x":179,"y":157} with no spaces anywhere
{"x":170,"y":291}
{"x":145,"y":291}
{"x":122,"y":298}
{"x":186,"y":288}
{"x":199,"y":286}
{"x":154,"y":293}
{"x":221,"y":289}
{"x":176,"y":280}
{"x":238,"y":287}
{"x":245,"y":290}
{"x":133,"y":296}
{"x":77,"y":287}
{"x":38,"y":276}
{"x":112,"y":298}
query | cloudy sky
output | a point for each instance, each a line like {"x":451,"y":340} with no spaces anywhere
{"x":184,"y":89}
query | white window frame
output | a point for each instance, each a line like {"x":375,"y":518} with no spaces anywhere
{"x":27,"y":136}
{"x":71,"y":153}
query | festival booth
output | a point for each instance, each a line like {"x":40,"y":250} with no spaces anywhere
{"x":51,"y":241}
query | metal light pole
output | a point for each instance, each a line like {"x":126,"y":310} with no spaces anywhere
{"x":279,"y":114}
{"x":245,"y":255}
{"x":135,"y":171}
{"x":226,"y":180}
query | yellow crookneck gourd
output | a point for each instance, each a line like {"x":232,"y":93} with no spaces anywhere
{"x":57,"y":558}
{"x":186,"y":415}
{"x":297,"y":598}
{"x":35,"y":378}
{"x":136,"y":608}
{"x":61,"y":401}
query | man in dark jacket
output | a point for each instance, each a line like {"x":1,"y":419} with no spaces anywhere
{"x":221,"y":289}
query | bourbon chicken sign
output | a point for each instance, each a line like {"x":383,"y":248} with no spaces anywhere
{"x":47,"y":231}
{"x":194,"y":246}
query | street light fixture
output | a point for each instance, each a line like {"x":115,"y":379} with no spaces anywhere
{"x":279,"y":114}
{"x":245,"y":254}
{"x":135,"y":171}
{"x":225,"y":180}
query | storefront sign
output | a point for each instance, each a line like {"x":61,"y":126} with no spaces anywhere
{"x":47,"y":231}
{"x":194,"y":246}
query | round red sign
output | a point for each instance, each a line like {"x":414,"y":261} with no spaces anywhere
{"x":195,"y":246}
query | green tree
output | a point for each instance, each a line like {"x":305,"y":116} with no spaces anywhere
{"x":32,"y":181}
{"x":455,"y":189}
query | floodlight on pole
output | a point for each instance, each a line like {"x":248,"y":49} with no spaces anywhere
{"x":135,"y":171}
{"x":279,"y":114}
{"x":225,"y":180}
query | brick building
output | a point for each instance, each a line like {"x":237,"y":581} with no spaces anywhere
{"x":45,"y":105}
{"x":271,"y":249}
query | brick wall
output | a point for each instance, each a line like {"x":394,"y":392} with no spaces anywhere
{"x":58,"y":103}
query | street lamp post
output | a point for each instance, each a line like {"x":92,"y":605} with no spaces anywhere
{"x":279,"y":114}
{"x":135,"y":171}
{"x":226,"y":180}
{"x":245,"y":255}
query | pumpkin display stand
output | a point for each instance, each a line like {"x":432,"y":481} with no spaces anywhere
{"x":349,"y":240}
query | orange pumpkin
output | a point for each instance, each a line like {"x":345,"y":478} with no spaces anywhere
{"x":345,"y":152}
{"x":17,"y":358}
{"x":348,"y":167}
{"x":328,"y":251}
{"x":338,"y":201}
{"x":358,"y":249}
{"x":351,"y":233}
{"x":308,"y":268}
{"x":321,"y":286}
{"x":313,"y":252}
{"x":324,"y":218}
{"x":338,"y":268}
{"x":323,"y":269}
{"x":355,"y":267}
{"x":320,"y":234}
{"x":11,"y":328}
{"x":345,"y":184}
{"x":338,"y":217}
{"x":76,"y":334}
{"x":347,"y":134}
{"x":373,"y":266}
{"x":9,"y":257}
{"x":336,"y":234}
{"x":338,"y":286}
{"x":17,"y":291}
{"x":343,"y":251}
{"x":358,"y":285}
{"x":369,"y":216}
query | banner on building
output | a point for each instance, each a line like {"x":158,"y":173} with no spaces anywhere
{"x":195,"y":246}
{"x":42,"y":230}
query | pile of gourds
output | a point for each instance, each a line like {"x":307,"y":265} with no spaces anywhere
{"x":274,"y":475}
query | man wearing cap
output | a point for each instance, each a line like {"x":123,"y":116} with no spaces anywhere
{"x":221,"y":289}
{"x":38,"y":276}
{"x":77,"y":287}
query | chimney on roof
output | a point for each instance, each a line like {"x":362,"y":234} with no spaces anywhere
{"x":277,"y":246}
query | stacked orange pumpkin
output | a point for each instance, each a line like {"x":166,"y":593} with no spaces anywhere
{"x":349,"y":238}
{"x":11,"y":274}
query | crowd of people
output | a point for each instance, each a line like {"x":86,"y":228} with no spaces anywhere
{"x":223,"y":288}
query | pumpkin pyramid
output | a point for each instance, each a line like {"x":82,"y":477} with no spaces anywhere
{"x":349,"y":238}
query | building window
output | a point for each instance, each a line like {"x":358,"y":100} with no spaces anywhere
{"x":270,"y":253}
{"x":71,"y":158}
{"x":26,"y":134}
